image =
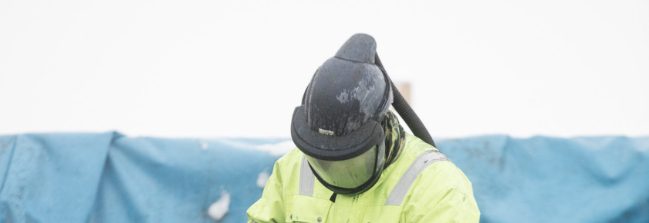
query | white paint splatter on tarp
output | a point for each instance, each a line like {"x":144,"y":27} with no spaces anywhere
{"x":219,"y":208}
{"x":277,"y":149}
{"x":262,"y":178}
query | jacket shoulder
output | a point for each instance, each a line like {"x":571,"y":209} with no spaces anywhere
{"x":441,"y":189}
{"x":293,"y":157}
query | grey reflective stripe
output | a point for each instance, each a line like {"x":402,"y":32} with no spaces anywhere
{"x":306,"y":179}
{"x":399,"y":191}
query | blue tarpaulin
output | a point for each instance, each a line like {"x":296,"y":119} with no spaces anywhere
{"x":109,"y":177}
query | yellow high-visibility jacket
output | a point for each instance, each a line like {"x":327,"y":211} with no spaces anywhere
{"x":421,"y":185}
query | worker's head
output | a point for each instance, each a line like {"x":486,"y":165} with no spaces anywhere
{"x":343,"y":121}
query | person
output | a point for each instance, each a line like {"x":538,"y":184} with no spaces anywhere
{"x":354,"y":162}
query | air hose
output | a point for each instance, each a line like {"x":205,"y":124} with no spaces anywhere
{"x":405,"y":111}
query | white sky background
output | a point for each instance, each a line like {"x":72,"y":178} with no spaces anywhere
{"x":238,"y":68}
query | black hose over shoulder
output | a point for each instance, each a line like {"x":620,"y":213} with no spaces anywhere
{"x":405,"y":111}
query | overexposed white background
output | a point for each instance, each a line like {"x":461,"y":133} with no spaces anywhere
{"x":238,"y":68}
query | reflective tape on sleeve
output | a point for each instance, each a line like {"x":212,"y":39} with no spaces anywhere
{"x":424,"y":160}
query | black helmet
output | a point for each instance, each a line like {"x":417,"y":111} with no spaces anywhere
{"x":340,"y":118}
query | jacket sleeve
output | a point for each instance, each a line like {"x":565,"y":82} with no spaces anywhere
{"x":454,"y":206}
{"x":270,"y":207}
{"x":445,"y":195}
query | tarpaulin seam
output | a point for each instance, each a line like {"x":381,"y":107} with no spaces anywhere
{"x":11,"y":157}
{"x":100,"y":181}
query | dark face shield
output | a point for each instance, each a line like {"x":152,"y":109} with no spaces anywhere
{"x":349,"y":174}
